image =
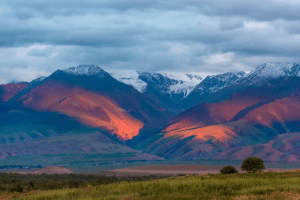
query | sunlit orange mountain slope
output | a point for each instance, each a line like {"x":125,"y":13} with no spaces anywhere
{"x":89,"y":108}
{"x":283,"y":111}
{"x":206,"y":114}
{"x":250,"y":117}
{"x":8,"y":91}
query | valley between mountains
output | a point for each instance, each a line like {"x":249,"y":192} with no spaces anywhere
{"x":85,"y":114}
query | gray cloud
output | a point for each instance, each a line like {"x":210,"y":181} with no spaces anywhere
{"x":213,"y":36}
{"x":231,"y":24}
{"x":254,"y":9}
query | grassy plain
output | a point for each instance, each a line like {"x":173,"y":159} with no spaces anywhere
{"x":210,"y":186}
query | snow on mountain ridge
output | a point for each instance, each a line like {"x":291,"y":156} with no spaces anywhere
{"x":39,"y":79}
{"x":129,"y":77}
{"x":268,"y":71}
{"x":88,"y":70}
{"x":186,"y":82}
{"x":170,"y":82}
{"x":217,"y":82}
{"x":273,"y":70}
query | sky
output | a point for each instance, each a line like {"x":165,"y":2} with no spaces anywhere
{"x":38,"y":37}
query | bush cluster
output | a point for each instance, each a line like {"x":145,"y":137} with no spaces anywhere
{"x":228,"y":170}
{"x":251,"y":164}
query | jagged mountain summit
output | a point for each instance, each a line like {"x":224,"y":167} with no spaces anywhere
{"x":221,"y":87}
{"x":276,"y":70}
{"x":88,"y":70}
{"x":268,"y":71}
{"x":167,"y":88}
{"x":210,"y":85}
{"x":165,"y":82}
{"x":217,"y":82}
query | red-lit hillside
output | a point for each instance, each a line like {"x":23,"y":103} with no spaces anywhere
{"x":283,"y":148}
{"x":8,"y":91}
{"x":211,"y":114}
{"x":283,"y":111}
{"x":250,"y":117}
{"x":89,"y":108}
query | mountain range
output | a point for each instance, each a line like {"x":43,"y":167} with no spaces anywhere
{"x":132,"y":115}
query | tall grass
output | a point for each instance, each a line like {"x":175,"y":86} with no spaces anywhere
{"x":192,"y":187}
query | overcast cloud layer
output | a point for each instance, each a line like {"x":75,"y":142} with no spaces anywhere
{"x":40,"y":36}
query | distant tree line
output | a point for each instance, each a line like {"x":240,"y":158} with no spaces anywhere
{"x":19,"y":166}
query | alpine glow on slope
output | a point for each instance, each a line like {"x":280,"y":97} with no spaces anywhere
{"x":90,"y":109}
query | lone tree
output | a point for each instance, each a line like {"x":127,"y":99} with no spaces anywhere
{"x":253,"y":164}
{"x":228,"y":170}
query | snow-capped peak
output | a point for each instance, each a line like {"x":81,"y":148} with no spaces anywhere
{"x":165,"y":82}
{"x":263,"y":73}
{"x":273,"y":70}
{"x":228,"y":75}
{"x":215,"y":83}
{"x":185,"y":82}
{"x":129,"y":77}
{"x":86,"y":70}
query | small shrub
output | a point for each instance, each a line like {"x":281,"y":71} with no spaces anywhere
{"x":228,"y":170}
{"x":253,"y":164}
{"x":2,"y":188}
{"x":99,"y":182}
{"x":19,"y":188}
{"x":30,"y":186}
{"x":73,"y":184}
{"x":51,"y":185}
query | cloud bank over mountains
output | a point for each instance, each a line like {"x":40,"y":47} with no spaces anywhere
{"x":38,"y":36}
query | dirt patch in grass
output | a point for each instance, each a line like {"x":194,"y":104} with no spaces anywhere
{"x":49,"y":170}
{"x":14,"y":196}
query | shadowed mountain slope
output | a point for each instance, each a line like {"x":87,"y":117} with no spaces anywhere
{"x":283,"y":148}
{"x":29,"y":133}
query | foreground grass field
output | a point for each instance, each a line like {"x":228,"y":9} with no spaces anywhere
{"x":210,"y":186}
